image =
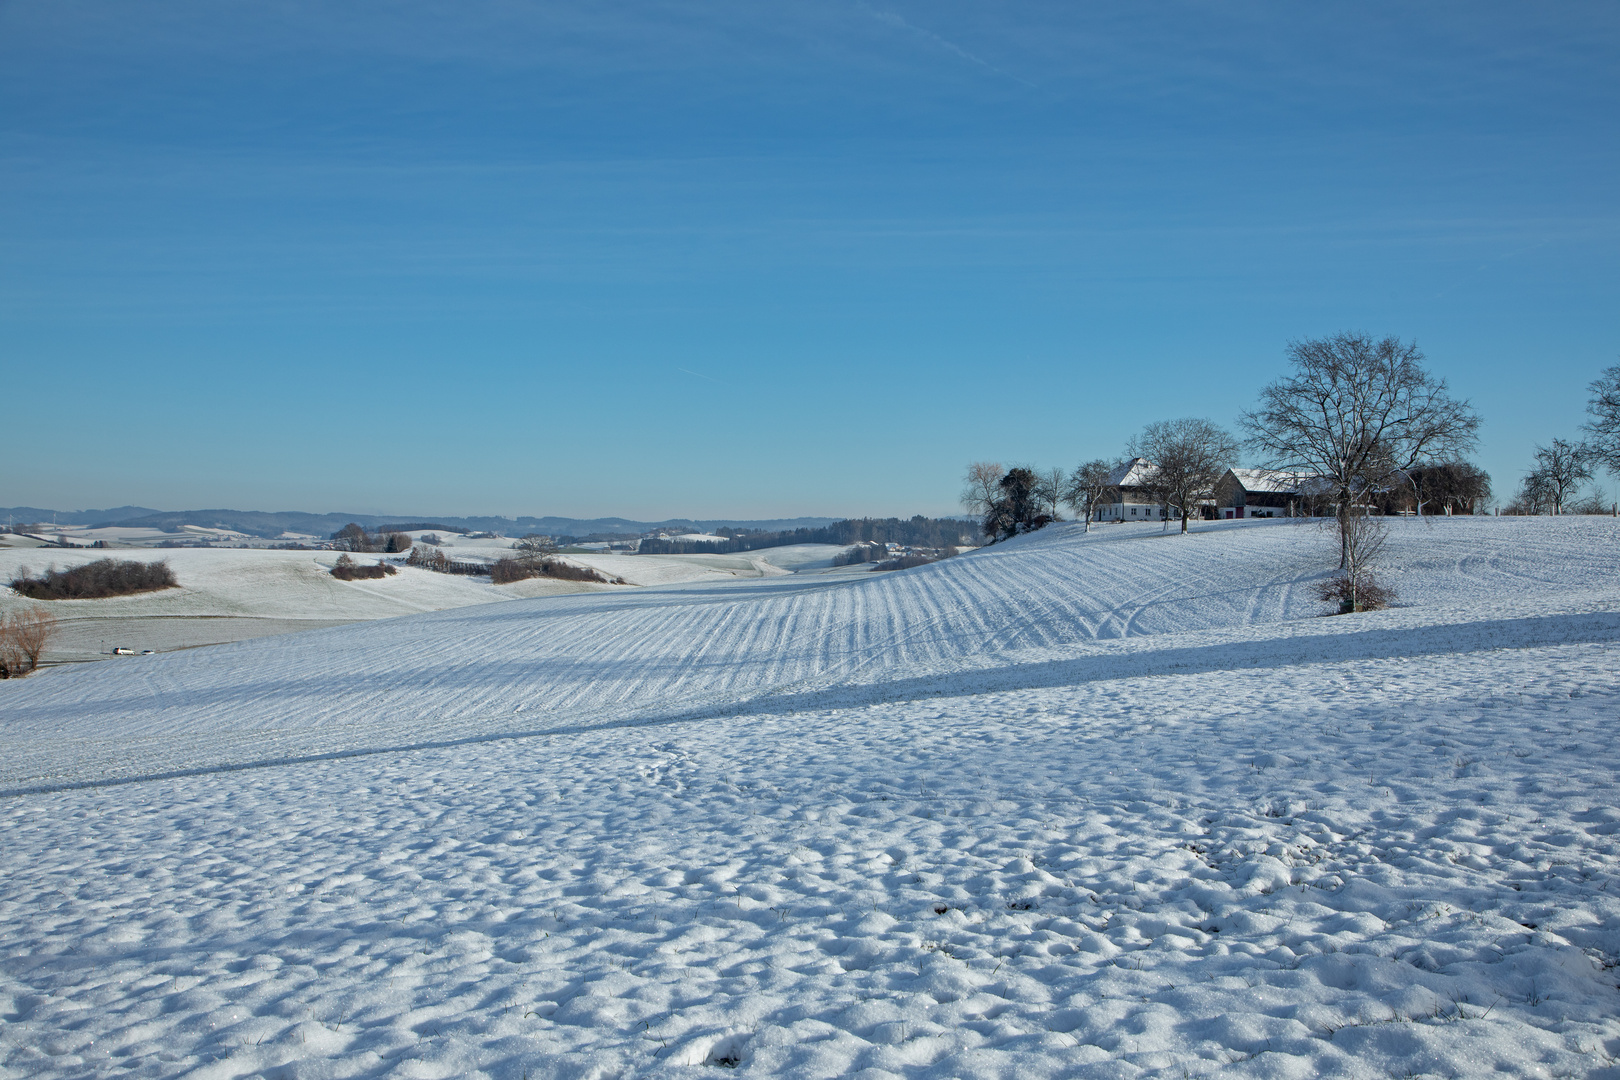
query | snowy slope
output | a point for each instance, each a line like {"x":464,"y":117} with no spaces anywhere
{"x":233,"y":594}
{"x":1113,"y":805}
{"x":236,"y":594}
{"x":1058,"y":597}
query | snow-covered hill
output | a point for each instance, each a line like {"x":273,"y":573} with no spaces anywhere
{"x":1114,"y":804}
{"x":236,"y":594}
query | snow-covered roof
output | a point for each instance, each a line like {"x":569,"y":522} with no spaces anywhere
{"x":1271,"y":480}
{"x":1133,"y":473}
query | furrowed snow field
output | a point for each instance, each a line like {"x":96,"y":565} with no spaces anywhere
{"x":1115,"y":805}
{"x":235,"y":594}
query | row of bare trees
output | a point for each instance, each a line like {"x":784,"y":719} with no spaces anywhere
{"x":353,"y":537}
{"x":1555,"y":484}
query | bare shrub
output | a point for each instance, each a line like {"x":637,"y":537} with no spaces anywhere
{"x":95,"y":581}
{"x":1348,"y":596}
{"x":506,"y":571}
{"x":23,"y":637}
{"x":1362,"y":537}
{"x":349,"y":570}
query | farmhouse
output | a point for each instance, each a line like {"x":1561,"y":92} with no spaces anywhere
{"x":1254,"y":493}
{"x":1240,"y":493}
{"x":1131,"y":498}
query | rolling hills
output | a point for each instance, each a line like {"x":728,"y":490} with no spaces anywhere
{"x":1107,"y":804}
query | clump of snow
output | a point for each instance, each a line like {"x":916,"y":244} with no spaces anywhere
{"x":1115,"y":805}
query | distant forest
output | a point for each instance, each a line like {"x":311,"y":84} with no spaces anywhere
{"x":273,"y":524}
{"x":918,"y":531}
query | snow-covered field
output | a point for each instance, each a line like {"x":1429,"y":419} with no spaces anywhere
{"x":236,"y":594}
{"x":1114,"y":805}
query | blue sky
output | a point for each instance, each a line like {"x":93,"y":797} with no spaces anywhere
{"x":756,"y":260}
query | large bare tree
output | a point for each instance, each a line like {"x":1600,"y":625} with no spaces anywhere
{"x":23,"y":637}
{"x":1604,"y":427}
{"x":534,"y":548}
{"x":1358,"y":412}
{"x":981,"y":487}
{"x":1559,"y":470}
{"x":1089,"y":487}
{"x":1189,"y":457}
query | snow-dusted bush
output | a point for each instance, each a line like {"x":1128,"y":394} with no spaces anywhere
{"x":349,"y":570}
{"x":506,"y":571}
{"x":1348,"y":594}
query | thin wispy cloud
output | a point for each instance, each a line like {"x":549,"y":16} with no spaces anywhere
{"x":899,"y":22}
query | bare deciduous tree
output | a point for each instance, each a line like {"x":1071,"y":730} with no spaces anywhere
{"x":1559,"y":470}
{"x":1089,"y":487}
{"x":981,"y":487}
{"x":534,"y":547}
{"x":23,"y":637}
{"x":1189,"y":457}
{"x":1604,"y":427}
{"x":352,"y":537}
{"x":1049,"y":487}
{"x":1357,"y":412}
{"x":1531,"y":498}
